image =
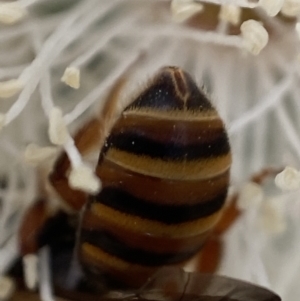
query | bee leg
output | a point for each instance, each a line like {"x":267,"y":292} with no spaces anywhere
{"x":264,"y":174}
{"x":41,"y":226}
{"x":28,"y":238}
{"x":31,"y":225}
{"x":211,"y":254}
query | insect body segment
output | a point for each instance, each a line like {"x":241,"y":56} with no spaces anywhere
{"x":165,"y":173}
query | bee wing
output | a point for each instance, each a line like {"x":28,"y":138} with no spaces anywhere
{"x":175,"y":284}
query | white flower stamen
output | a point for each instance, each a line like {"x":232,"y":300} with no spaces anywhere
{"x":83,"y":178}
{"x":184,"y":9}
{"x":45,"y":283}
{"x":288,"y":179}
{"x":71,"y":77}
{"x":35,"y":154}
{"x":58,"y":132}
{"x":12,"y":12}
{"x":297,"y":28}
{"x":30,"y":266}
{"x":2,"y":120}
{"x":291,"y":8}
{"x":272,"y":217}
{"x":251,"y":195}
{"x":10,"y":88}
{"x":272,"y":7}
{"x":230,"y":13}
{"x":255,"y":36}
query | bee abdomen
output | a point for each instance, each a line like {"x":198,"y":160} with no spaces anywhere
{"x":165,"y":174}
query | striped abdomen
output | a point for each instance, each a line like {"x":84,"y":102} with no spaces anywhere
{"x":165,"y":174}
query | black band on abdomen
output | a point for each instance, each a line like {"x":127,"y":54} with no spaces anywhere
{"x":124,"y":202}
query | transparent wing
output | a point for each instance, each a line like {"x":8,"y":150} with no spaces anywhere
{"x":175,"y":284}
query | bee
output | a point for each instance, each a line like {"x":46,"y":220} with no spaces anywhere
{"x":165,"y":170}
{"x":165,"y":173}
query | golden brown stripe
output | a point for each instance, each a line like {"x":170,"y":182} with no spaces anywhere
{"x":177,"y":115}
{"x":103,"y":258}
{"x":112,"y":245}
{"x":183,"y":132}
{"x":120,"y":269}
{"x":205,"y":120}
{"x":140,"y":225}
{"x":162,"y":191}
{"x":191,"y":170}
{"x":157,"y":244}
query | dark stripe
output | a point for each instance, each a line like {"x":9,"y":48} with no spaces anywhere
{"x":161,"y":93}
{"x":177,"y":131}
{"x":124,"y":202}
{"x":197,"y":100}
{"x":162,"y":191}
{"x":113,"y":246}
{"x":136,"y":143}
